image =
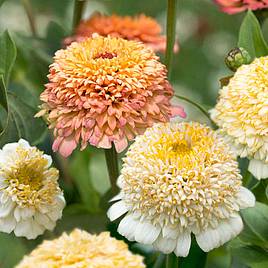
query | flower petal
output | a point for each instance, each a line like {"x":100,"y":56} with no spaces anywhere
{"x":258,"y":169}
{"x":146,"y":233}
{"x":117,"y":210}
{"x":183,"y":244}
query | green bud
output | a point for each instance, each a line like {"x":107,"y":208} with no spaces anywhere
{"x":236,"y":57}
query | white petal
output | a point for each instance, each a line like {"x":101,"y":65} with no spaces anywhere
{"x":117,"y":210}
{"x":7,"y":224}
{"x":245,"y":198}
{"x":170,"y":231}
{"x":49,"y":160}
{"x":208,"y":239}
{"x":55,"y":214}
{"x":165,"y":245}
{"x":117,"y":197}
{"x":6,"y":207}
{"x":127,"y":227}
{"x":45,"y":221}
{"x":29,"y":229}
{"x":60,"y":200}
{"x":258,"y":169}
{"x":226,"y":230}
{"x":24,"y":143}
{"x":23,"y":213}
{"x":146,"y":233}
{"x":183,"y":244}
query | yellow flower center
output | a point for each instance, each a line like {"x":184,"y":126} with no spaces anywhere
{"x":27,"y":171}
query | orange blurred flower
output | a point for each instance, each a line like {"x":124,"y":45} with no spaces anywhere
{"x":140,"y":28}
{"x":105,"y":90}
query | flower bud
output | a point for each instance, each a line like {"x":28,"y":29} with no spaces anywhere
{"x":237,"y":57}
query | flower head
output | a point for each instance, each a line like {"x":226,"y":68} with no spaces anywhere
{"x":140,"y":28}
{"x":81,"y":249}
{"x":31,"y":200}
{"x":105,"y":90}
{"x":242,"y":112}
{"x":236,"y":6}
{"x":178,"y":179}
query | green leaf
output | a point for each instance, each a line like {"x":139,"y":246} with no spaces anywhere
{"x":9,"y":242}
{"x":1,"y":2}
{"x":21,"y":122}
{"x":8,"y":55}
{"x":255,"y":257}
{"x":80,"y":173}
{"x":257,"y":220}
{"x":251,"y":37}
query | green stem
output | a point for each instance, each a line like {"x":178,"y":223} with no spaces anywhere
{"x":172,"y":261}
{"x":171,"y":32}
{"x":30,"y":15}
{"x":112,"y":166}
{"x":199,"y":106}
{"x":78,"y":12}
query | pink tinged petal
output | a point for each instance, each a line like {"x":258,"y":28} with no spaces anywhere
{"x":146,"y":233}
{"x":105,"y":142}
{"x":66,"y":147}
{"x":183,"y":244}
{"x":117,"y":210}
{"x":112,"y":122}
{"x":121,"y":144}
{"x":178,"y":111}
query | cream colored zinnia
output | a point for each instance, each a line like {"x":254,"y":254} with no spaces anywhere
{"x":178,"y":179}
{"x":242,"y":114}
{"x":30,"y":198}
{"x":81,"y":249}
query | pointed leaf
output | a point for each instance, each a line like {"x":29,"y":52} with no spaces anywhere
{"x":8,"y":54}
{"x":251,"y":37}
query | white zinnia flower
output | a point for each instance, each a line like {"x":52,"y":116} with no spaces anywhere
{"x":178,"y":179}
{"x":30,"y":198}
{"x":242,"y":113}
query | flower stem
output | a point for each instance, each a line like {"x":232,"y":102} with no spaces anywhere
{"x":30,"y":15}
{"x":172,"y":261}
{"x":78,"y":12}
{"x":112,"y":166}
{"x":199,"y":106}
{"x":171,"y":32}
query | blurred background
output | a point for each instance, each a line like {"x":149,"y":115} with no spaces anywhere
{"x":205,"y":36}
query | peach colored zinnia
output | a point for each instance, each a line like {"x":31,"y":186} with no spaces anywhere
{"x":140,"y":28}
{"x":236,"y":6}
{"x":105,"y":90}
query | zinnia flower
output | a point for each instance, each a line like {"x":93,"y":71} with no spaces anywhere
{"x":242,"y":113}
{"x":236,"y":6}
{"x":81,"y":249}
{"x":178,"y":179}
{"x":140,"y":28}
{"x":105,"y":90}
{"x":31,"y":200}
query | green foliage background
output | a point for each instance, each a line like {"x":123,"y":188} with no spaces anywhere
{"x":205,"y":36}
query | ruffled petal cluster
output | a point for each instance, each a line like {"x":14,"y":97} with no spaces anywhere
{"x":30,"y":198}
{"x":236,"y":6}
{"x":81,"y":249}
{"x":178,"y":179}
{"x":140,"y":28}
{"x":242,"y":114}
{"x":105,"y":90}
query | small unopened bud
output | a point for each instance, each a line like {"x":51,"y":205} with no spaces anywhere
{"x":236,"y":57}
